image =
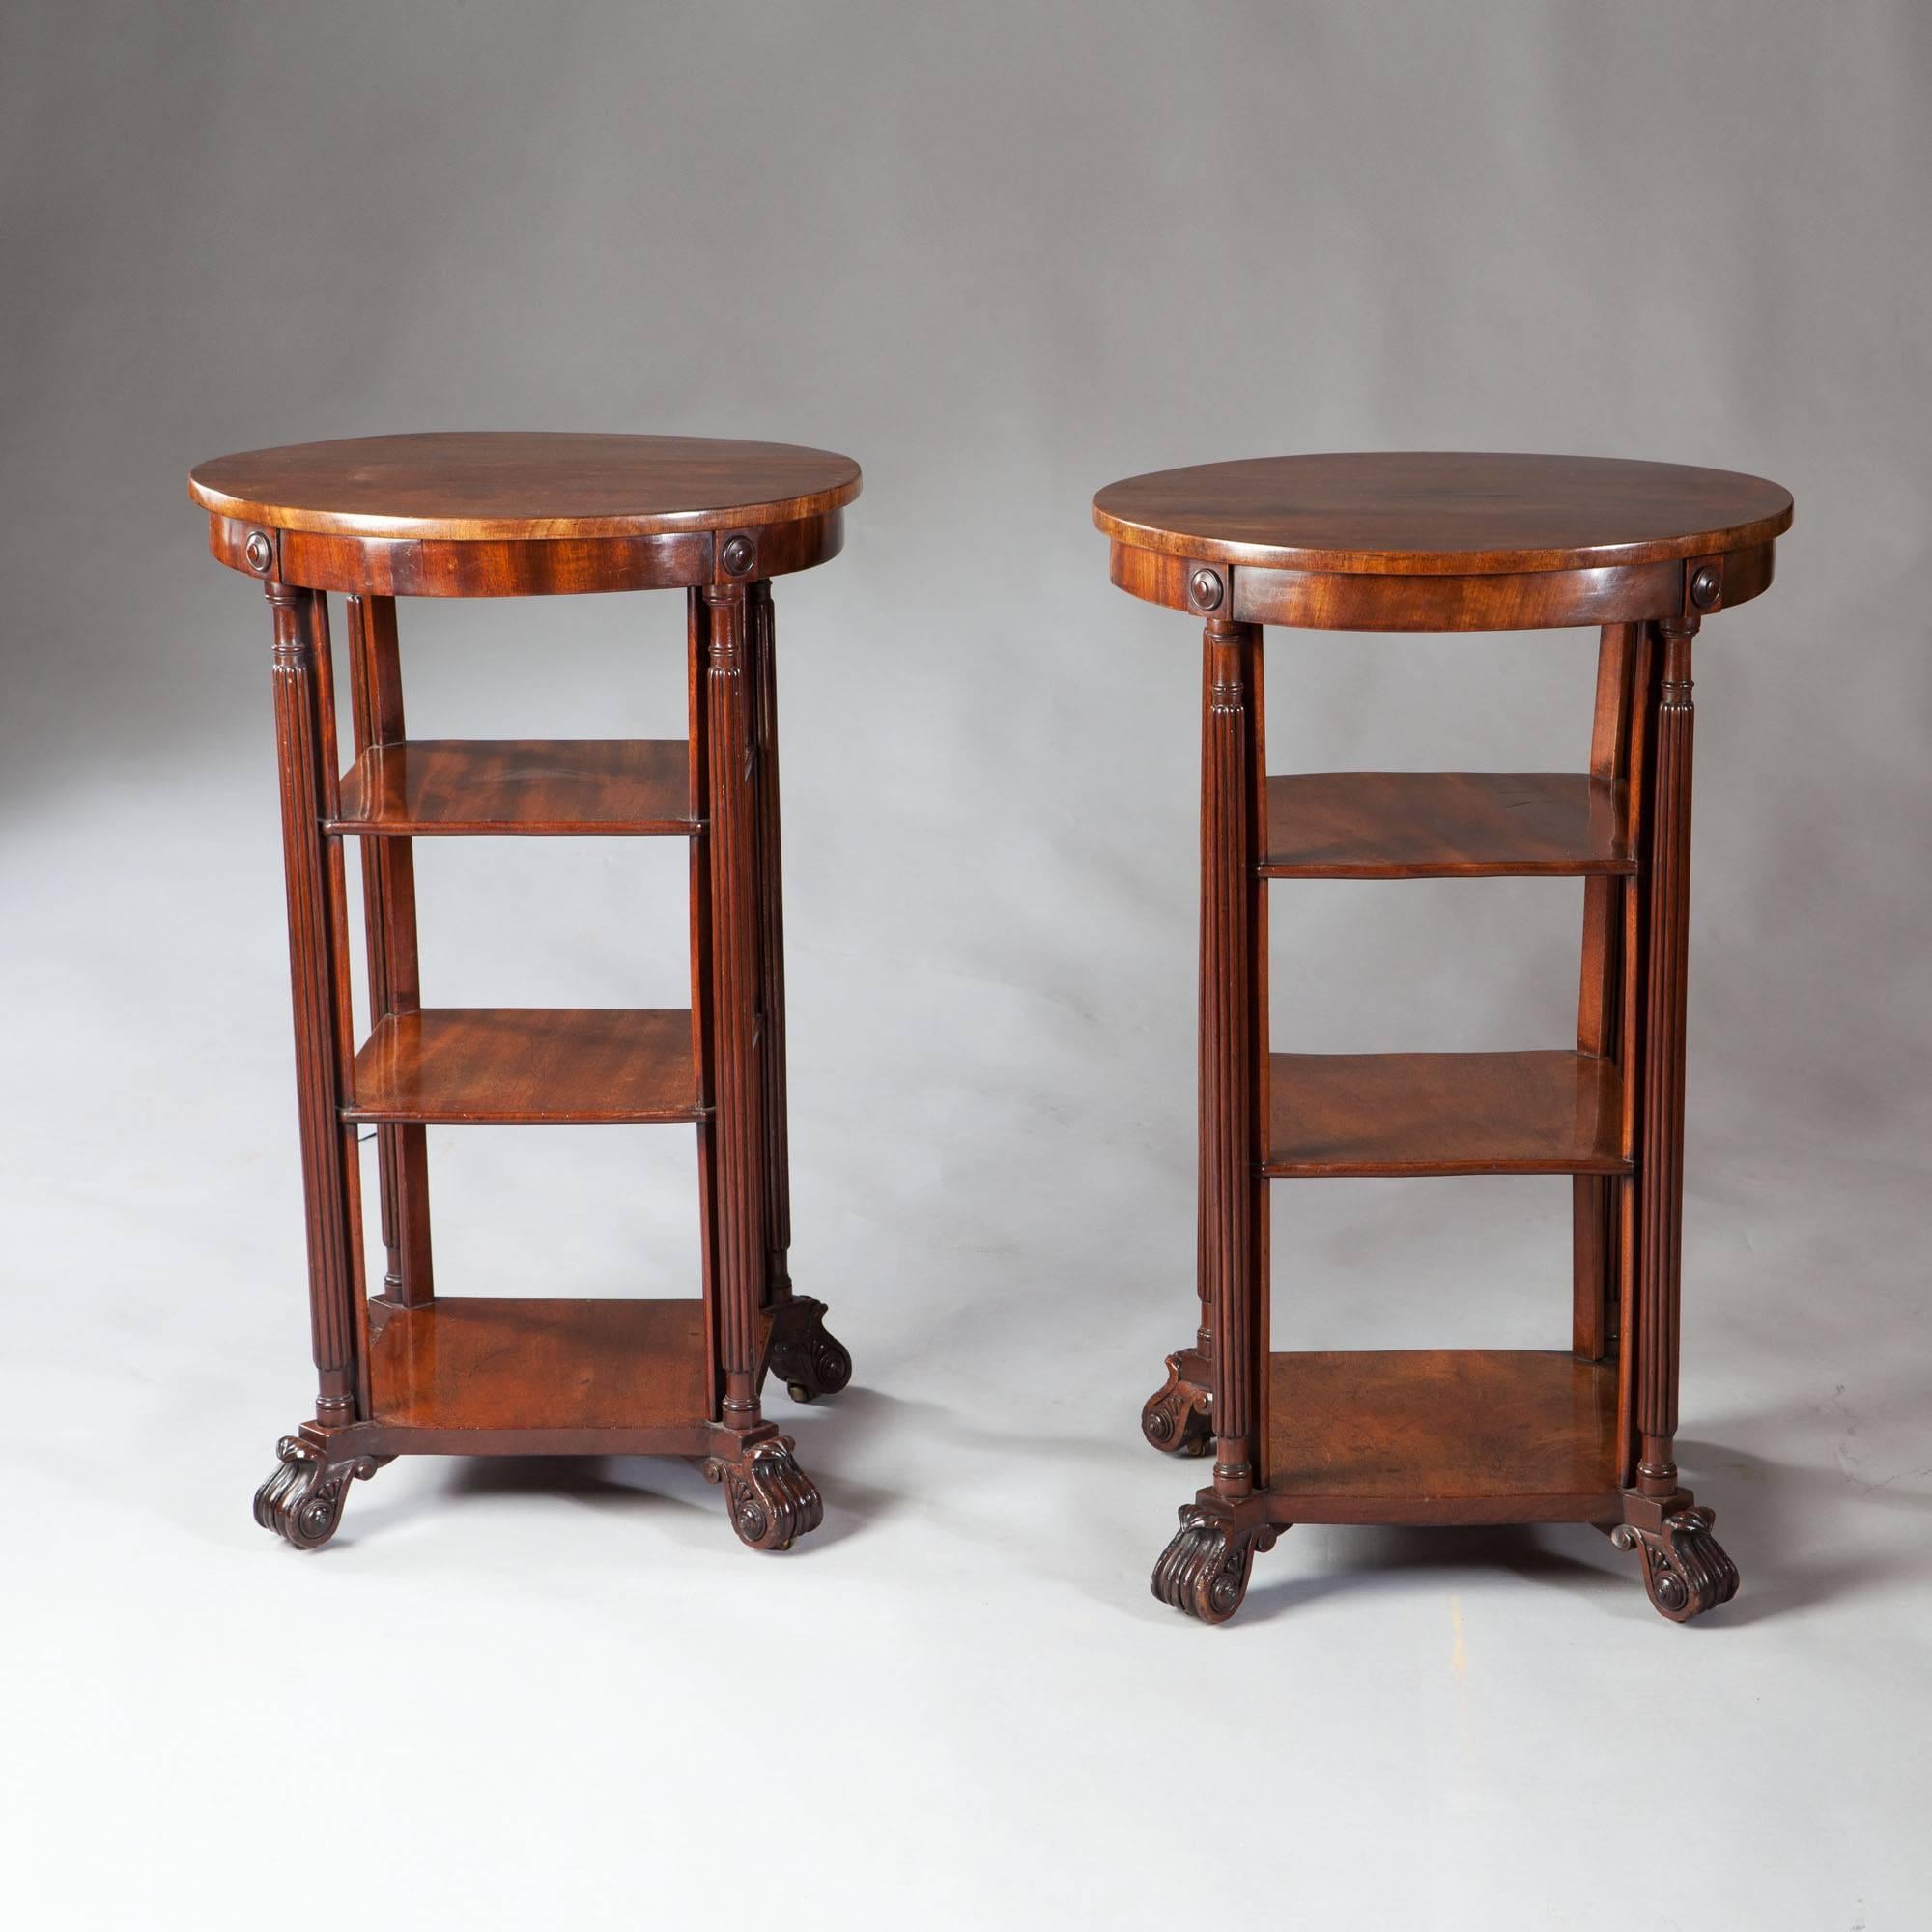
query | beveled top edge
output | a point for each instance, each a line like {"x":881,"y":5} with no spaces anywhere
{"x":473,"y":485}
{"x":1442,"y":512}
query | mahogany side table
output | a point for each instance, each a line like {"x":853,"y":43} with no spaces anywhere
{"x":1442,"y":542}
{"x":511,"y":515}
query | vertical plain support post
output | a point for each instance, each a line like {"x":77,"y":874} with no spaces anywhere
{"x":304,"y":738}
{"x":1229,"y":1158}
{"x":1595,"y":1196}
{"x":737,"y":1179}
{"x":771,"y":951}
{"x":1662,"y":1153}
{"x":390,"y":921}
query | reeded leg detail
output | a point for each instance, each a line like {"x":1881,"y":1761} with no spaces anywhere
{"x":1204,"y":1570}
{"x":804,"y":1355}
{"x":1686,"y":1568}
{"x":773,"y":1502}
{"x":303,"y":1500}
{"x":1178,"y":1418}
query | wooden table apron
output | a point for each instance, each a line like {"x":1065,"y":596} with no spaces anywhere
{"x":637,"y":1377}
{"x":1220,"y":1395}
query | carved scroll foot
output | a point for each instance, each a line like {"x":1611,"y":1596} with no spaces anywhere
{"x":1178,"y":1417}
{"x":303,"y":1500}
{"x":773,"y":1502}
{"x":1204,"y":1570}
{"x":804,"y":1356}
{"x":1685,"y":1568}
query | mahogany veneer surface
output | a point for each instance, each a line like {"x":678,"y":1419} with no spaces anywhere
{"x":509,"y":1066}
{"x":568,"y":785}
{"x":467,"y":485}
{"x":1411,"y":825}
{"x":538,"y":1364}
{"x":1441,"y":1434}
{"x":1434,"y":512}
{"x":1444,"y":1113}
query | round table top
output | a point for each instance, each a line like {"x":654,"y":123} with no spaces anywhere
{"x":468,"y":485}
{"x":1441,"y":513}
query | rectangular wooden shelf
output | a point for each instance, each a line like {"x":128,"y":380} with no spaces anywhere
{"x":1417,"y":825}
{"x":523,"y":1367}
{"x":1444,"y":1113}
{"x":553,"y":786}
{"x":516,"y":1066}
{"x":1441,"y":1435}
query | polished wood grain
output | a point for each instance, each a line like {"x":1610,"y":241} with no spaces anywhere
{"x":1473,"y":600}
{"x":511,"y":516}
{"x":1417,"y":825}
{"x":527,"y":1066}
{"x":389,"y":926}
{"x":1441,"y":1435}
{"x":1432,"y":541}
{"x":523,"y":486}
{"x":536,"y":1364}
{"x":547,"y":786}
{"x":1544,"y":1112}
{"x":1434,"y":512}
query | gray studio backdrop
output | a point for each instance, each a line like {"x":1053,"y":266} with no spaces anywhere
{"x":1002,"y":254}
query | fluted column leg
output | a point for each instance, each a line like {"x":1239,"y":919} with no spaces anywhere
{"x":1229,"y":1047}
{"x":770,"y":1500}
{"x":303,"y":1500}
{"x":1204,"y":1568}
{"x":1662,"y":1153}
{"x":737,"y":1070}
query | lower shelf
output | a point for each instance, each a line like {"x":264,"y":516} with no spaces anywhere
{"x":1441,"y":1435}
{"x":521,"y":1368}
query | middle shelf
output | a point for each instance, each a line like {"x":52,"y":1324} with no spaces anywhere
{"x":520,"y":1066}
{"x":1414,"y":825}
{"x":1444,"y":1113}
{"x":425,"y":787}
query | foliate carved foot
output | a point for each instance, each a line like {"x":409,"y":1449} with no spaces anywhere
{"x":1685,"y":1568}
{"x":1204,"y":1570}
{"x":804,"y":1356}
{"x":773,"y":1502}
{"x":1178,"y":1417}
{"x":303,"y":1500}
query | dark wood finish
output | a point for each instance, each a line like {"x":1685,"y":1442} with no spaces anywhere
{"x":390,"y":921}
{"x":523,"y":486}
{"x":511,"y":515}
{"x":1451,"y":825}
{"x":1595,"y":1231}
{"x":1665,"y":985}
{"x":1444,"y":1113}
{"x":737,"y":1169}
{"x":509,"y":1365}
{"x":569,"y":786}
{"x":1536,"y":600}
{"x":1421,"y":1435}
{"x":523,"y":1065}
{"x":403,"y":567}
{"x":763,"y":639}
{"x":1442,"y":512}
{"x":1433,"y":542}
{"x":316,"y":916}
{"x":1229,"y":889}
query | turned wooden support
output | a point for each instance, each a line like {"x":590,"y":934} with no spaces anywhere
{"x":317,"y":971}
{"x":389,"y":924}
{"x":771,"y":951}
{"x":1661,"y":1155}
{"x":1230,"y":1282}
{"x":737,"y":1151}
